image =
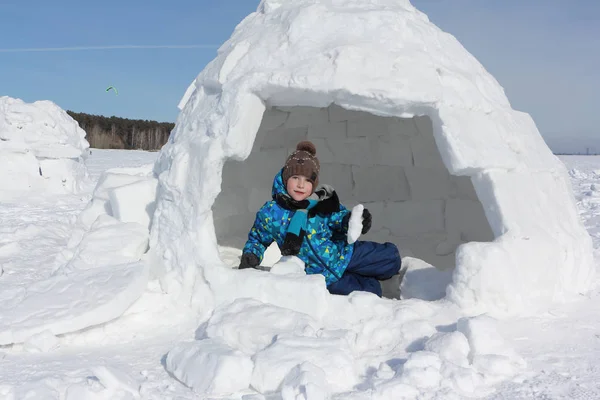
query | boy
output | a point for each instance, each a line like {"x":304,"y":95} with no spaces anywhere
{"x":313,"y":226}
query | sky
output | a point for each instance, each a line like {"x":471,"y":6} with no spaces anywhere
{"x":544,"y":53}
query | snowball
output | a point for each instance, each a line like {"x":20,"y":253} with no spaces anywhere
{"x":355,"y":223}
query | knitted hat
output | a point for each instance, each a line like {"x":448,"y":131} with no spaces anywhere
{"x":303,"y":161}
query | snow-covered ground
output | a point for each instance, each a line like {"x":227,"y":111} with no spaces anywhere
{"x":128,"y":357}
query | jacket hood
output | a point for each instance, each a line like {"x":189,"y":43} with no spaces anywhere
{"x":278,"y":186}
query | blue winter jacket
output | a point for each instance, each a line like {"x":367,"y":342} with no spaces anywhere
{"x":324,"y":249}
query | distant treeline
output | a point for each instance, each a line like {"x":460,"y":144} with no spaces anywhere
{"x":122,"y":133}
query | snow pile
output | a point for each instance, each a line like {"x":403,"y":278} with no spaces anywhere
{"x":362,"y":345}
{"x":99,"y":274}
{"x":41,"y":148}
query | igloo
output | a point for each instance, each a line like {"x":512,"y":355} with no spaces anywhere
{"x":405,"y":121}
{"x":41,"y":148}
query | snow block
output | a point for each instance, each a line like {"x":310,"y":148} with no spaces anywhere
{"x":305,"y":381}
{"x":299,"y":116}
{"x":391,"y":150}
{"x":108,"y":242}
{"x":109,"y":180}
{"x":371,"y":126}
{"x":331,"y":130}
{"x":380,"y":183}
{"x":428,"y":183}
{"x":412,"y":217}
{"x":210,"y":367}
{"x":68,"y":303}
{"x":306,"y":294}
{"x":333,"y":356}
{"x":273,"y":118}
{"x":250,"y":325}
{"x":450,"y":346}
{"x":425,"y":152}
{"x":134,"y":202}
{"x":423,"y":281}
{"x":284,"y":137}
{"x":340,"y":177}
{"x":466,"y":221}
{"x":355,"y":151}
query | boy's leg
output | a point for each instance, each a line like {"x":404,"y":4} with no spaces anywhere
{"x":377,"y":260}
{"x":349,"y":282}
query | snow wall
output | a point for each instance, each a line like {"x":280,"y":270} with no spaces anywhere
{"x":375,"y":100}
{"x":41,"y":148}
{"x":391,"y":165}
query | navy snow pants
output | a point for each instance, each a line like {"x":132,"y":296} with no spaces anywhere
{"x":370,"y":263}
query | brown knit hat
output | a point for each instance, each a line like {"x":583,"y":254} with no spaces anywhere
{"x":303,"y":161}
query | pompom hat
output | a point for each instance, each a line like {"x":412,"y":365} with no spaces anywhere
{"x":303,"y":161}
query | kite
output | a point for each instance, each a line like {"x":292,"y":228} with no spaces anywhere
{"x":113,"y":88}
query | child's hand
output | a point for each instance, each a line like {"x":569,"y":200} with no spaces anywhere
{"x":249,"y":260}
{"x":359,"y":223}
{"x":367,"y":219}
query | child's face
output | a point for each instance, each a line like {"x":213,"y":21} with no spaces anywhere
{"x":299,"y":187}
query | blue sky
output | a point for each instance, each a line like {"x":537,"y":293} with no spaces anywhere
{"x":545,"y":53}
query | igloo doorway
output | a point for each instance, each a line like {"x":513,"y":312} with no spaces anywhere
{"x":391,"y":165}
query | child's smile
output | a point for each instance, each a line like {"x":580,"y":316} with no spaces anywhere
{"x":299,"y":187}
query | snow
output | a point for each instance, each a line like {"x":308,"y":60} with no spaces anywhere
{"x":129,"y":289}
{"x":66,"y":303}
{"x":421,"y":135}
{"x":42,"y":149}
{"x":210,"y":367}
{"x":388,"y":349}
{"x":355,"y":223}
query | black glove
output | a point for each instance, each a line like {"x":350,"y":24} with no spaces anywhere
{"x":249,"y":260}
{"x":367,"y":219}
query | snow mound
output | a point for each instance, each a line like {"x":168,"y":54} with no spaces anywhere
{"x":41,"y":148}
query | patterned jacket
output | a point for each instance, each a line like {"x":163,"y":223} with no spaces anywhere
{"x":324,"y":249}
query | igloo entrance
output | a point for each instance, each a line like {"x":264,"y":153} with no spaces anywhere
{"x":391,"y":165}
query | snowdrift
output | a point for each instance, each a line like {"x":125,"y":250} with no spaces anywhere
{"x":42,"y":149}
